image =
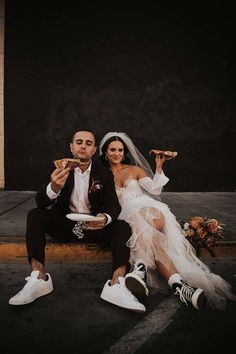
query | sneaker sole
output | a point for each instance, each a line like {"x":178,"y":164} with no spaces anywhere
{"x":105,"y":298}
{"x":198,"y":299}
{"x":28,"y":301}
{"x":136,"y":285}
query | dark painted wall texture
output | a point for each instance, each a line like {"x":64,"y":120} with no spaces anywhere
{"x":164,"y":74}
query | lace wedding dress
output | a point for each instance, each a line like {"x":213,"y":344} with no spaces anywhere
{"x":150,"y":245}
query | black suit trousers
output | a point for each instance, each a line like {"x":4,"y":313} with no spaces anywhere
{"x":42,"y":222}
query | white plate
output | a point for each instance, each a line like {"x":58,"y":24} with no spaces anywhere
{"x":83,"y":217}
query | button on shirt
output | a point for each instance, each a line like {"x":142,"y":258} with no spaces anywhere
{"x":79,"y":202}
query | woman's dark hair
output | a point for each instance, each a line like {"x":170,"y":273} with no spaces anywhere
{"x":105,"y":147}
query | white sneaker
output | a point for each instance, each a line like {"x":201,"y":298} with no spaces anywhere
{"x":119,"y":295}
{"x":33,"y":289}
{"x":136,"y":280}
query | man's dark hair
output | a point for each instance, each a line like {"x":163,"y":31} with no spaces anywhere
{"x":83,"y":130}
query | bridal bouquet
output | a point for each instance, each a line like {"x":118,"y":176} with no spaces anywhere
{"x":202,"y":232}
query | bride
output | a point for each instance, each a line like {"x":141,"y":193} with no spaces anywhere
{"x":159,"y":253}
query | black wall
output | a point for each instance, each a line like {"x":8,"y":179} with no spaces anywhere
{"x":164,"y":74}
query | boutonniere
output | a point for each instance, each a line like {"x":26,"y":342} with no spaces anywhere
{"x":96,"y":185}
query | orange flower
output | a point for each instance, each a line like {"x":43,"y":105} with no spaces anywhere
{"x":201,"y":232}
{"x":196,"y":221}
{"x":213,"y":225}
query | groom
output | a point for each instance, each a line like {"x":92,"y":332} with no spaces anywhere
{"x":88,"y":189}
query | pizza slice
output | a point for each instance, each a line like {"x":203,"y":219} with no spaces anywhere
{"x":67,"y":162}
{"x":168,"y":154}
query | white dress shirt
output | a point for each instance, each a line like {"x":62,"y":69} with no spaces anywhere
{"x":79,"y":202}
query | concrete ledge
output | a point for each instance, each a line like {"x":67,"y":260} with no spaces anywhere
{"x":225,"y":249}
{"x":56,"y":252}
{"x":14,"y":250}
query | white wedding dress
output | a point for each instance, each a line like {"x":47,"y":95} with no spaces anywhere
{"x":150,"y":245}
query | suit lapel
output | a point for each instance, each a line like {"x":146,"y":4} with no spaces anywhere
{"x":93,"y":173}
{"x":94,"y":176}
{"x":70,"y":181}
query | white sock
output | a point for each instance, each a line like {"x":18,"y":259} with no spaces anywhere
{"x":174,"y":278}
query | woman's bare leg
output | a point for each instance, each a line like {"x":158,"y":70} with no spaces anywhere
{"x":165,"y":268}
{"x":165,"y":271}
{"x":159,"y":223}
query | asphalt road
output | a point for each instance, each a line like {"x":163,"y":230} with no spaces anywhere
{"x":73,"y":319}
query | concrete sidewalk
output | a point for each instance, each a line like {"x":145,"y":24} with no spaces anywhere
{"x":14,"y":206}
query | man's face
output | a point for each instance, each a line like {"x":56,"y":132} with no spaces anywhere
{"x":83,"y":146}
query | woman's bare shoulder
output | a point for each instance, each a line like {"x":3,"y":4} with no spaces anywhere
{"x":138,"y":171}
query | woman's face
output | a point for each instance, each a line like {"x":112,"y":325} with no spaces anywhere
{"x":115,"y":152}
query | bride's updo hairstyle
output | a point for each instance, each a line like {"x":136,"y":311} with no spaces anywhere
{"x":104,"y":148}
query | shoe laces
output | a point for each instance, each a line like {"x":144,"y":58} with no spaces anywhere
{"x":185,"y":293}
{"x":140,"y":271}
{"x":30,"y":283}
{"x":123,"y":288}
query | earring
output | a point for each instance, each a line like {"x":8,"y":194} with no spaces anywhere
{"x":106,"y":158}
{"x":123,"y":158}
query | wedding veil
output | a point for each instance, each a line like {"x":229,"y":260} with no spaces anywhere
{"x":137,"y":158}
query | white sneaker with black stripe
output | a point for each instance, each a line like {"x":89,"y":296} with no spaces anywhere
{"x":136,"y":280}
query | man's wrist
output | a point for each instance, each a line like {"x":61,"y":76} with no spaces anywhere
{"x":51,"y":193}
{"x":56,"y":190}
{"x":159,"y":170}
{"x":108,"y":219}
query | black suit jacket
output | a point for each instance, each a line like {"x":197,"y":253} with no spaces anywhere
{"x":101,"y":193}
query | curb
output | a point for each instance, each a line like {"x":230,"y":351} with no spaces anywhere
{"x":13,"y":249}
